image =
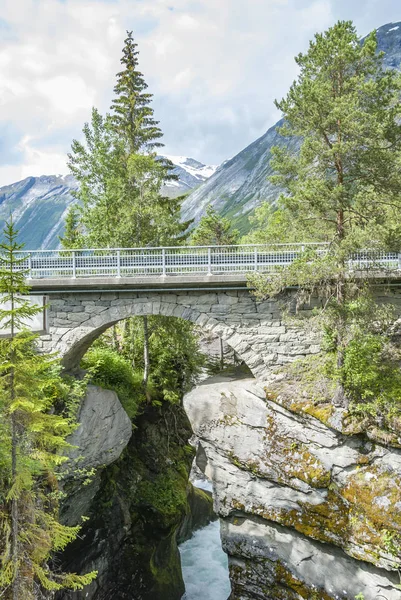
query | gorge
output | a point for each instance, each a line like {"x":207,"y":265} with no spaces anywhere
{"x":308,"y":504}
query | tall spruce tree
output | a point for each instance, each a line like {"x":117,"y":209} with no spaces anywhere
{"x":344,"y":183}
{"x":132,"y":114}
{"x":121,"y":176}
{"x":32,"y":445}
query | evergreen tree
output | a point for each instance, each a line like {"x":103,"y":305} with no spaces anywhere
{"x":121,"y":176}
{"x":33,"y":440}
{"x":132,"y":115}
{"x":214,"y":230}
{"x":342,"y":186}
{"x":344,"y":182}
{"x":73,"y":236}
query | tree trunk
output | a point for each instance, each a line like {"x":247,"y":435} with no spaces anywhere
{"x":14,"y":503}
{"x":14,"y":463}
{"x":115,"y":338}
{"x":146,"y":359}
{"x":340,"y":398}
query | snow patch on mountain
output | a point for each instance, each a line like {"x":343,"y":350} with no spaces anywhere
{"x":193,"y":167}
{"x":190,"y":172}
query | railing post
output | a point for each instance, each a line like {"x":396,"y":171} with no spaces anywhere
{"x":164,"y":262}
{"x":256,"y":259}
{"x":30,"y":265}
{"x":74,"y":265}
{"x":209,"y":261}
{"x":118,"y":263}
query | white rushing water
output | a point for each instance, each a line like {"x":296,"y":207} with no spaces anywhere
{"x":204,"y":564}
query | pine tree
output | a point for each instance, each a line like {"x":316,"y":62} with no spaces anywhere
{"x":343,"y":185}
{"x":214,"y":230}
{"x":33,"y":440}
{"x":344,"y":181}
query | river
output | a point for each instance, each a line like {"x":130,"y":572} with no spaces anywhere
{"x":204,"y":564}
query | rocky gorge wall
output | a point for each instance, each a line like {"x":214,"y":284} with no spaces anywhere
{"x":139,"y":502}
{"x":306,"y":511}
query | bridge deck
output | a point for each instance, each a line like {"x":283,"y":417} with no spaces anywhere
{"x":138,"y":283}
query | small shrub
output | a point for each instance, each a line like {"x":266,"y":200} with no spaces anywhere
{"x":372,"y":377}
{"x":109,"y":369}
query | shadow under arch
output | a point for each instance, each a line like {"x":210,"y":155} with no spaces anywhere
{"x":76,"y":340}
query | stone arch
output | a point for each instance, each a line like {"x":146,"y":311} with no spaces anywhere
{"x":73,"y":341}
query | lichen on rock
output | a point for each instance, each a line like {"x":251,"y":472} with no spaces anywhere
{"x":273,"y":467}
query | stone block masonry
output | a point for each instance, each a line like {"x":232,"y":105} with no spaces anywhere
{"x":257,"y":331}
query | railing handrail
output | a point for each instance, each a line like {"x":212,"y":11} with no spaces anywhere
{"x":169,"y":261}
{"x":114,"y":249}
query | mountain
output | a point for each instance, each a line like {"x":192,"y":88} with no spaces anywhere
{"x":191,"y":174}
{"x":240,"y":184}
{"x":39,"y":204}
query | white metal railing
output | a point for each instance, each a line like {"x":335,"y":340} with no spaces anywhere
{"x":183,"y":260}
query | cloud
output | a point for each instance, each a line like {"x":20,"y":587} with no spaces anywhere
{"x":214,"y":68}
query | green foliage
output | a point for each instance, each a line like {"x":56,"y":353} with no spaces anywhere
{"x":344,"y":106}
{"x":32,"y":447}
{"x":342,"y":177}
{"x":166,"y":495}
{"x":97,"y":164}
{"x":272,"y":224}
{"x":175,"y":359}
{"x":372,"y":377}
{"x":119,"y":174}
{"x":214,"y":230}
{"x":109,"y":369}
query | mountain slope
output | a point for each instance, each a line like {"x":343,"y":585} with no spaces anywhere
{"x":191,"y":174}
{"x":39,"y":204}
{"x":241,"y":184}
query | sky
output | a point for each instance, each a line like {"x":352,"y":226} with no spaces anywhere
{"x":213,"y":66}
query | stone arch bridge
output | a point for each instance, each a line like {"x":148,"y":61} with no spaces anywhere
{"x":90,"y":290}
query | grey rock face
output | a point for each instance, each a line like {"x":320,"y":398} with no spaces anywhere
{"x":134,"y":515}
{"x":257,"y":549}
{"x":105,"y":429}
{"x":303,"y":506}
